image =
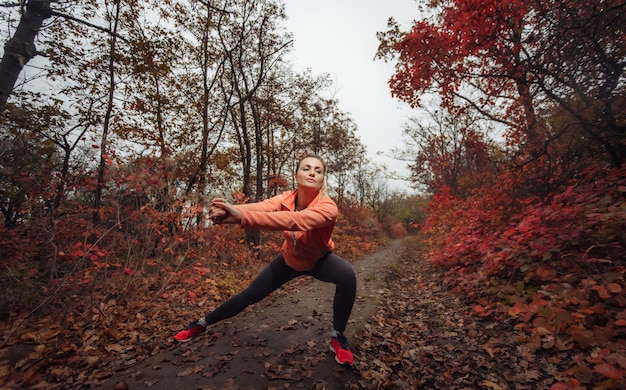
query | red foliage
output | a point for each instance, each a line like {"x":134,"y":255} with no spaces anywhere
{"x":474,"y":38}
{"x":557,"y":265}
{"x":397,"y":230}
{"x":357,"y":231}
{"x":514,"y":60}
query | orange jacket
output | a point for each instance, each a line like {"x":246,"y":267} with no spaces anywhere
{"x":307,"y":232}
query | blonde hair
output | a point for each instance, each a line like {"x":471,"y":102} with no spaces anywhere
{"x":324,"y":189}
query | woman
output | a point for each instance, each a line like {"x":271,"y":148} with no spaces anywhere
{"x":307,"y":217}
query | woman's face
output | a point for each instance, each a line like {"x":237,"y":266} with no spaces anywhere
{"x":310,"y":174}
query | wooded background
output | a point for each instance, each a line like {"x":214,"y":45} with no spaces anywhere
{"x":122,"y":109}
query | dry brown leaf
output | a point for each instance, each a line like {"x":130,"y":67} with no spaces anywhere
{"x":492,"y":385}
{"x":489,"y":350}
{"x":191,"y":370}
{"x":115,"y":348}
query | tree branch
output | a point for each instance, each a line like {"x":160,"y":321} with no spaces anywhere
{"x":86,"y":23}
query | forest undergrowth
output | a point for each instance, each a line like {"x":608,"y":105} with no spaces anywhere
{"x":424,"y":334}
{"x":427,"y":335}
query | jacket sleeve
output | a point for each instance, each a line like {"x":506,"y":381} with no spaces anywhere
{"x":321,"y":215}
{"x":267,"y":205}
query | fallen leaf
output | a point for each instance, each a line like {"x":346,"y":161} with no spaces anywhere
{"x":190,"y":370}
{"x":491,"y":385}
{"x":115,"y":348}
{"x":489,"y":350}
{"x":609,"y":371}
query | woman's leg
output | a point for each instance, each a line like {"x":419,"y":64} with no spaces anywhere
{"x":269,"y":279}
{"x":335,"y":269}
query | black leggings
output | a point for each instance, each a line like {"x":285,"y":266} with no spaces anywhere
{"x":331,"y":268}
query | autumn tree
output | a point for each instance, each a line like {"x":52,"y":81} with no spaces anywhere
{"x":449,"y":150}
{"x":174,"y":108}
{"x":344,"y":151}
{"x":551,"y":75}
{"x":50,"y":119}
{"x":512,"y":61}
{"x":51,"y":110}
{"x":251,"y":46}
{"x":288,"y":100}
{"x":145,"y":104}
{"x":197,"y":103}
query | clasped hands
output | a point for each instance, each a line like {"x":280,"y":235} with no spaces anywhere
{"x":221,"y":212}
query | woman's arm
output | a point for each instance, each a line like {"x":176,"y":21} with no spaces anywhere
{"x":318,"y":216}
{"x":221,"y":212}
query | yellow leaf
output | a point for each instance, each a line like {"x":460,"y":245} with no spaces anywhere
{"x":492,"y":385}
{"x":190,"y":370}
{"x":115,"y":348}
{"x":5,"y":370}
{"x":489,"y":350}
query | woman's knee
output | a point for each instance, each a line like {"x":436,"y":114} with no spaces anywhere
{"x":347,"y":276}
{"x":351,"y":278}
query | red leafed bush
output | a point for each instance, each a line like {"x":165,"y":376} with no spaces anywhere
{"x":357,"y":231}
{"x":397,"y":230}
{"x":557,"y":264}
{"x":586,"y":218}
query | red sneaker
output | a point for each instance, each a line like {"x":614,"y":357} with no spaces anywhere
{"x":339,"y":345}
{"x":189,"y":332}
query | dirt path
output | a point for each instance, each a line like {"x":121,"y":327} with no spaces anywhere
{"x":281,"y":342}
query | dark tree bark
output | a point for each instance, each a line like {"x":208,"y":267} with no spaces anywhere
{"x":21,"y":47}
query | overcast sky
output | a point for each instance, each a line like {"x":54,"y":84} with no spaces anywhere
{"x":339,"y":37}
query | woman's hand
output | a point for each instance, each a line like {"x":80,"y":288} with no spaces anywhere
{"x":221,"y":212}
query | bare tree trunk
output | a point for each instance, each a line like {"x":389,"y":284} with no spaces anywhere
{"x":21,"y":47}
{"x":107,"y":120}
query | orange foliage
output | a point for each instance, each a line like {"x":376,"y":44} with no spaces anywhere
{"x":357,"y":231}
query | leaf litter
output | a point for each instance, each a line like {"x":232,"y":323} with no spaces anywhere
{"x":408,"y":330}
